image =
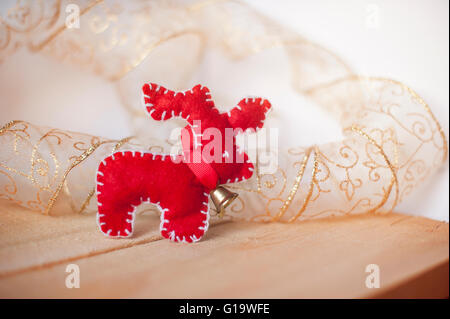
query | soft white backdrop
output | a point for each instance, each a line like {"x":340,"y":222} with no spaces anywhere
{"x":403,"y":40}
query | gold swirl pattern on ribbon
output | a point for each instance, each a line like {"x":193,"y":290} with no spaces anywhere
{"x":392,"y":141}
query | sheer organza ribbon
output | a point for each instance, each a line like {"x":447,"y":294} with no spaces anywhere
{"x":391,"y":140}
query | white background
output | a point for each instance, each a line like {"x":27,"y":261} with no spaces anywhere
{"x":409,"y":44}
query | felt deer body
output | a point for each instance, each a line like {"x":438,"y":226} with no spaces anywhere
{"x":179,"y":185}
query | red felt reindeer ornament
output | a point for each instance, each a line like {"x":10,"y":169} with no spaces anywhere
{"x":179,"y":185}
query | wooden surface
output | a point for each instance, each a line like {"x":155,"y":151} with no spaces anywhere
{"x":321,"y":258}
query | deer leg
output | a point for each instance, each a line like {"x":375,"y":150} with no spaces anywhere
{"x":124,"y":181}
{"x":189,"y":220}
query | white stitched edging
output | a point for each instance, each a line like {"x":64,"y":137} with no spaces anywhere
{"x":173,"y":236}
{"x":200,"y":89}
{"x":242,"y":178}
{"x":127,"y":233}
{"x":253,"y":100}
{"x":99,"y":184}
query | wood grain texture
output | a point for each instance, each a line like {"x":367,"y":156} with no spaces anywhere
{"x":313,"y":259}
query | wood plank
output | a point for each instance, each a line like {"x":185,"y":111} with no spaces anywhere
{"x":29,"y":240}
{"x":313,"y":259}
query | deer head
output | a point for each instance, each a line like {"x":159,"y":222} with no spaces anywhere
{"x":209,"y":136}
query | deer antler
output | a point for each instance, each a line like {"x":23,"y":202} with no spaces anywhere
{"x":250,"y":113}
{"x":163,"y":104}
